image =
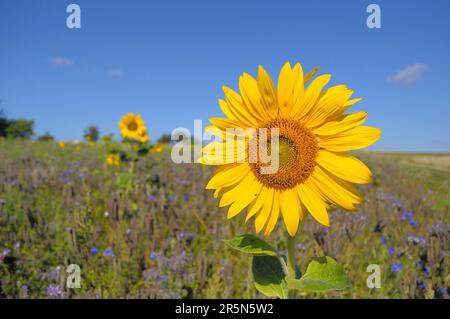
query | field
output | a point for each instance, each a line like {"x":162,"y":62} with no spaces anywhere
{"x":150,"y":230}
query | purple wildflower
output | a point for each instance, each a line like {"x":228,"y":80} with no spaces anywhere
{"x":94,"y":251}
{"x":161,"y":279}
{"x":413,"y":223}
{"x":391,"y":250}
{"x":54,"y":291}
{"x":397,"y":205}
{"x":407,"y":216}
{"x":396,"y":267}
{"x":417,"y":240}
{"x":383,"y":240}
{"x":6,"y":252}
{"x":108,"y":252}
{"x":153,"y":256}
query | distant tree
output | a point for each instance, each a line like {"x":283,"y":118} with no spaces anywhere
{"x":46,"y":137}
{"x":20,"y":128}
{"x":91,"y":134}
{"x":165,"y":139}
{"x":4,"y":123}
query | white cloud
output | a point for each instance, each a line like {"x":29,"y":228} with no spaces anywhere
{"x":60,"y":61}
{"x":115,"y":72}
{"x":409,"y":75}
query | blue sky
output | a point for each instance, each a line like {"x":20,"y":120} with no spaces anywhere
{"x":168,"y":60}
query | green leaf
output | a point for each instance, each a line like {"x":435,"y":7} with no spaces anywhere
{"x":322,"y":274}
{"x":251,"y":244}
{"x":269,"y":276}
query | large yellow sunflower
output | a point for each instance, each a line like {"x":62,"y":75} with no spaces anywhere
{"x":131,"y":126}
{"x":314,"y":172}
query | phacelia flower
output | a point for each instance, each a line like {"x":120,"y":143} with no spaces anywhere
{"x":391,"y":250}
{"x":108,"y":252}
{"x":396,"y":267}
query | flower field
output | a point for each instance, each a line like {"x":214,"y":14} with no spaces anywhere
{"x":149,"y":229}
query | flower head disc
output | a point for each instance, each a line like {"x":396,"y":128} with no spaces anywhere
{"x":297,"y":152}
{"x":314,"y":173}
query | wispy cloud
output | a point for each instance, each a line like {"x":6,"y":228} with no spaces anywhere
{"x":60,"y":61}
{"x":115,"y":72}
{"x":409,"y":75}
{"x":442,"y":142}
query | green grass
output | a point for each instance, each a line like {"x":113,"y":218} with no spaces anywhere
{"x":61,"y":203}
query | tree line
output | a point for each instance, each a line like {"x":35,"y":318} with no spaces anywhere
{"x":24,"y":129}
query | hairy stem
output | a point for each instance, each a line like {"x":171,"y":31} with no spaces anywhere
{"x":291,"y":262}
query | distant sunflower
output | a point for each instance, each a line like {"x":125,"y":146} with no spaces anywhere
{"x":113,"y":160}
{"x":157,"y":148}
{"x":144,"y":137}
{"x":62,"y":144}
{"x":131,"y":126}
{"x":314,"y":134}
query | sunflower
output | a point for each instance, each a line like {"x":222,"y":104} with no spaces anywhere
{"x":143,"y":136}
{"x":113,"y":160}
{"x":62,"y":144}
{"x":131,"y":126}
{"x":157,"y":148}
{"x":315,"y":174}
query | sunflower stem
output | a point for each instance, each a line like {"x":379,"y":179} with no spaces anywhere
{"x":291,"y":262}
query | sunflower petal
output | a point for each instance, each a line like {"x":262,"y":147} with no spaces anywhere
{"x":314,"y":204}
{"x":257,"y":204}
{"x":267,"y":91}
{"x":272,"y":221}
{"x":224,"y":123}
{"x":329,"y":105}
{"x":228,"y":175}
{"x":244,"y":199}
{"x":331,"y":190}
{"x":248,"y":87}
{"x":312,"y":93}
{"x":264,"y":214}
{"x":242,"y":187}
{"x":356,"y":138}
{"x":352,"y":102}
{"x":238,"y":109}
{"x":343,"y":123}
{"x":299,"y":84}
{"x":290,"y":209}
{"x":226,"y":110}
{"x":285,"y":89}
{"x":345,"y":166}
{"x":310,"y":75}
